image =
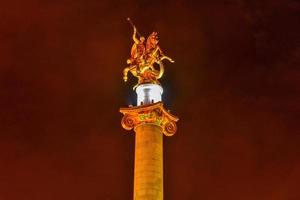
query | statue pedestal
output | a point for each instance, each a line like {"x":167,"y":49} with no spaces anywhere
{"x":148,"y":93}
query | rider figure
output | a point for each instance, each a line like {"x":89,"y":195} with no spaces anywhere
{"x":137,"y":51}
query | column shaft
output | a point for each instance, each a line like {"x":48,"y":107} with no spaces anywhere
{"x":148,"y":167}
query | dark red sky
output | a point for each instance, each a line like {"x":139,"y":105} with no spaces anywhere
{"x":235,"y":86}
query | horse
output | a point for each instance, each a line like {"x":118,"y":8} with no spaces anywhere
{"x":143,"y":67}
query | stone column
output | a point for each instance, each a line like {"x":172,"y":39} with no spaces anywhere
{"x":150,"y":121}
{"x":148,"y":167}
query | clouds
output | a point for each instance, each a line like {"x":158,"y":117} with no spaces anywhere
{"x":234,"y":85}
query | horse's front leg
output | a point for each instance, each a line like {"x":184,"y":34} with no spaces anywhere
{"x":125,"y":72}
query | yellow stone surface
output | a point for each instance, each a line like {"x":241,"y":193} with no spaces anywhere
{"x":150,"y":122}
{"x":148,"y":166}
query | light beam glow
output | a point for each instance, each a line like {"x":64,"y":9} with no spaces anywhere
{"x":148,"y":93}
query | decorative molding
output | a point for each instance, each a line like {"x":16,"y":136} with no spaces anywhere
{"x":149,"y":114}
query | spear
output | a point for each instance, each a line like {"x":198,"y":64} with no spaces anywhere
{"x":133,"y":26}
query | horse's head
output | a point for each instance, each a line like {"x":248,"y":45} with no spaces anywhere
{"x":152,"y":41}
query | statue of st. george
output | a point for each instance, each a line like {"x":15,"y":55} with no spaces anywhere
{"x":143,"y":57}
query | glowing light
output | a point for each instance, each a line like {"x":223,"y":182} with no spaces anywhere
{"x":148,"y":93}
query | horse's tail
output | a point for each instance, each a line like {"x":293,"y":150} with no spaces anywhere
{"x":167,"y":58}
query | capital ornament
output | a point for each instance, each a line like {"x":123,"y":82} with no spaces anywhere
{"x":149,"y":114}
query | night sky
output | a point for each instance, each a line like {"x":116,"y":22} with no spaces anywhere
{"x":235,"y":86}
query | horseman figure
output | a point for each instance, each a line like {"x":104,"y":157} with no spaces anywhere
{"x":143,"y":57}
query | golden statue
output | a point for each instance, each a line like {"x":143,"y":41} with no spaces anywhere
{"x":143,"y":57}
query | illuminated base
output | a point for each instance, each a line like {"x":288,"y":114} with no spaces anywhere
{"x":148,"y":93}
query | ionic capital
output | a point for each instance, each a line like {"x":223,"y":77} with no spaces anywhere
{"x":149,"y":114}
